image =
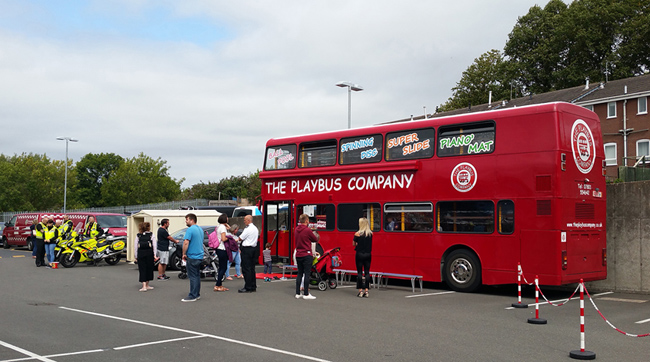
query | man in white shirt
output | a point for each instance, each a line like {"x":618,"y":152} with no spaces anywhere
{"x":250,"y":251}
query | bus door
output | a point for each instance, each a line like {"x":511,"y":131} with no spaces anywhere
{"x":277,"y":230}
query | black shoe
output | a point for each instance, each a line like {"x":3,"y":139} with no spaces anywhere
{"x":244,"y":290}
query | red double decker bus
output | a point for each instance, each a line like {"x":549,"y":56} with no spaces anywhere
{"x":460,"y":199}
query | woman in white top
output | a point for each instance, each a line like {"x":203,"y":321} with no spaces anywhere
{"x":222,"y":229}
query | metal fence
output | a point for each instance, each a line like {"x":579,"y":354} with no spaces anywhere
{"x":631,"y":174}
{"x":170,"y":205}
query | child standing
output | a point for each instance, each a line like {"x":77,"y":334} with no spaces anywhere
{"x":267,"y":262}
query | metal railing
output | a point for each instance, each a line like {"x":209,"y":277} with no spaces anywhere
{"x":170,"y":205}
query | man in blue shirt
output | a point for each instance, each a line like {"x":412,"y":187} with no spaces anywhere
{"x":193,"y":255}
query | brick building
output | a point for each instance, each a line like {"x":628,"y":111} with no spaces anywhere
{"x":621,"y":105}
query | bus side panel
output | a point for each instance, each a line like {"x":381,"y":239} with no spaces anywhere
{"x":584,"y":256}
{"x":427,"y":254}
{"x":392,"y":252}
{"x":541,"y":256}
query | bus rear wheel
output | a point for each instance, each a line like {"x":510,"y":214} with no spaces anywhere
{"x":463,"y":271}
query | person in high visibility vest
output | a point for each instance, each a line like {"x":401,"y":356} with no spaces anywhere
{"x":66,"y":227}
{"x":92,"y":228}
{"x":38,"y":245}
{"x":50,"y":235}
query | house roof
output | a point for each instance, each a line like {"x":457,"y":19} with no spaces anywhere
{"x":581,"y":95}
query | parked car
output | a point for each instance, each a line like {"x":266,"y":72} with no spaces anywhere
{"x":16,"y":231}
{"x":110,"y":222}
{"x":175,"y":258}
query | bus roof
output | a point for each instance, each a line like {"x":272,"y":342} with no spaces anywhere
{"x":439,"y":121}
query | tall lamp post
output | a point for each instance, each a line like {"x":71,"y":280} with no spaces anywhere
{"x":351,"y":87}
{"x":65,"y":187}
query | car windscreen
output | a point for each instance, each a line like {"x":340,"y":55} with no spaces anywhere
{"x":112,"y":221}
{"x":180,"y":234}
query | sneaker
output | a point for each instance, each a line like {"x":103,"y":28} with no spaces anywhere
{"x":298,"y":296}
{"x":189,"y":299}
{"x":161,"y":278}
{"x":308,"y":296}
{"x":165,"y":277}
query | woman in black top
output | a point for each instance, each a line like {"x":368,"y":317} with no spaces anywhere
{"x":145,"y":244}
{"x":363,"y":245}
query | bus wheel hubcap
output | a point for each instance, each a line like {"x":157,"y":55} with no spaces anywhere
{"x":461,"y":270}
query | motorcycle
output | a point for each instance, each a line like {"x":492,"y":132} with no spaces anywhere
{"x":62,"y":244}
{"x":91,"y":250}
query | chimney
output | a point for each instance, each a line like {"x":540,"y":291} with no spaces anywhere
{"x":490,"y":100}
{"x":625,"y":90}
{"x":587,"y":83}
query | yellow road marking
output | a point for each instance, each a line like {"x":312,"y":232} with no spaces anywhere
{"x":18,"y":256}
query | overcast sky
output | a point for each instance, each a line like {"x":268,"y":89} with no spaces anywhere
{"x":204,"y":84}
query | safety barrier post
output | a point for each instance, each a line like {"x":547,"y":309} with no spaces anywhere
{"x":582,"y":354}
{"x":537,"y":319}
{"x":519,"y":304}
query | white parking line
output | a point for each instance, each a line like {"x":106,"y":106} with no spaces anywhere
{"x":56,"y":355}
{"x":199,"y":334}
{"x":643,"y":321}
{"x":26,"y":352}
{"x":156,"y":342}
{"x":428,"y":294}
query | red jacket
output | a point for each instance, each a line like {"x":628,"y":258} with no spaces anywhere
{"x":304,"y":238}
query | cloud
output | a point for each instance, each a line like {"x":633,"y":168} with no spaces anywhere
{"x":207,"y":99}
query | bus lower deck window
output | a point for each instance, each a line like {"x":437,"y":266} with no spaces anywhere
{"x":408,"y":217}
{"x":465,"y":216}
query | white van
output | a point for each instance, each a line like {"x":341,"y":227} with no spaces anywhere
{"x":246,"y":210}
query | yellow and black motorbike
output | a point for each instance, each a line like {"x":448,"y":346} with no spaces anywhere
{"x":93,"y":251}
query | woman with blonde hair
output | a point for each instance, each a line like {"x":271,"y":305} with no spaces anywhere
{"x":363,"y":246}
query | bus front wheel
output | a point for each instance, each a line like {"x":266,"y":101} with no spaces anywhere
{"x":463,"y":271}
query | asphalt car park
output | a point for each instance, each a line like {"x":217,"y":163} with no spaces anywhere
{"x":96,"y":312}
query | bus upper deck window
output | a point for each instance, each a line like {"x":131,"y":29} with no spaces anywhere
{"x":316,"y":154}
{"x":362,"y":149}
{"x":280,"y":157}
{"x":410,"y":144}
{"x":466,"y":139}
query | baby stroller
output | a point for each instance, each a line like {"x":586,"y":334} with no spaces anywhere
{"x":321,"y":271}
{"x":209,"y":266}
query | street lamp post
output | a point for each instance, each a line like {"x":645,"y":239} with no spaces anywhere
{"x":65,"y":185}
{"x":351,"y":87}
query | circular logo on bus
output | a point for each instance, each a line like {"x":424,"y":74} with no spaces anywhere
{"x":463,"y":177}
{"x":583,"y":146}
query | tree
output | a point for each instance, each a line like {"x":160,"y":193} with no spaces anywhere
{"x":140,"y":180}
{"x":558,"y":47}
{"x":93,"y":171}
{"x":487,"y":73}
{"x":536,"y":47}
{"x":31,"y":182}
{"x":249,"y":187}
